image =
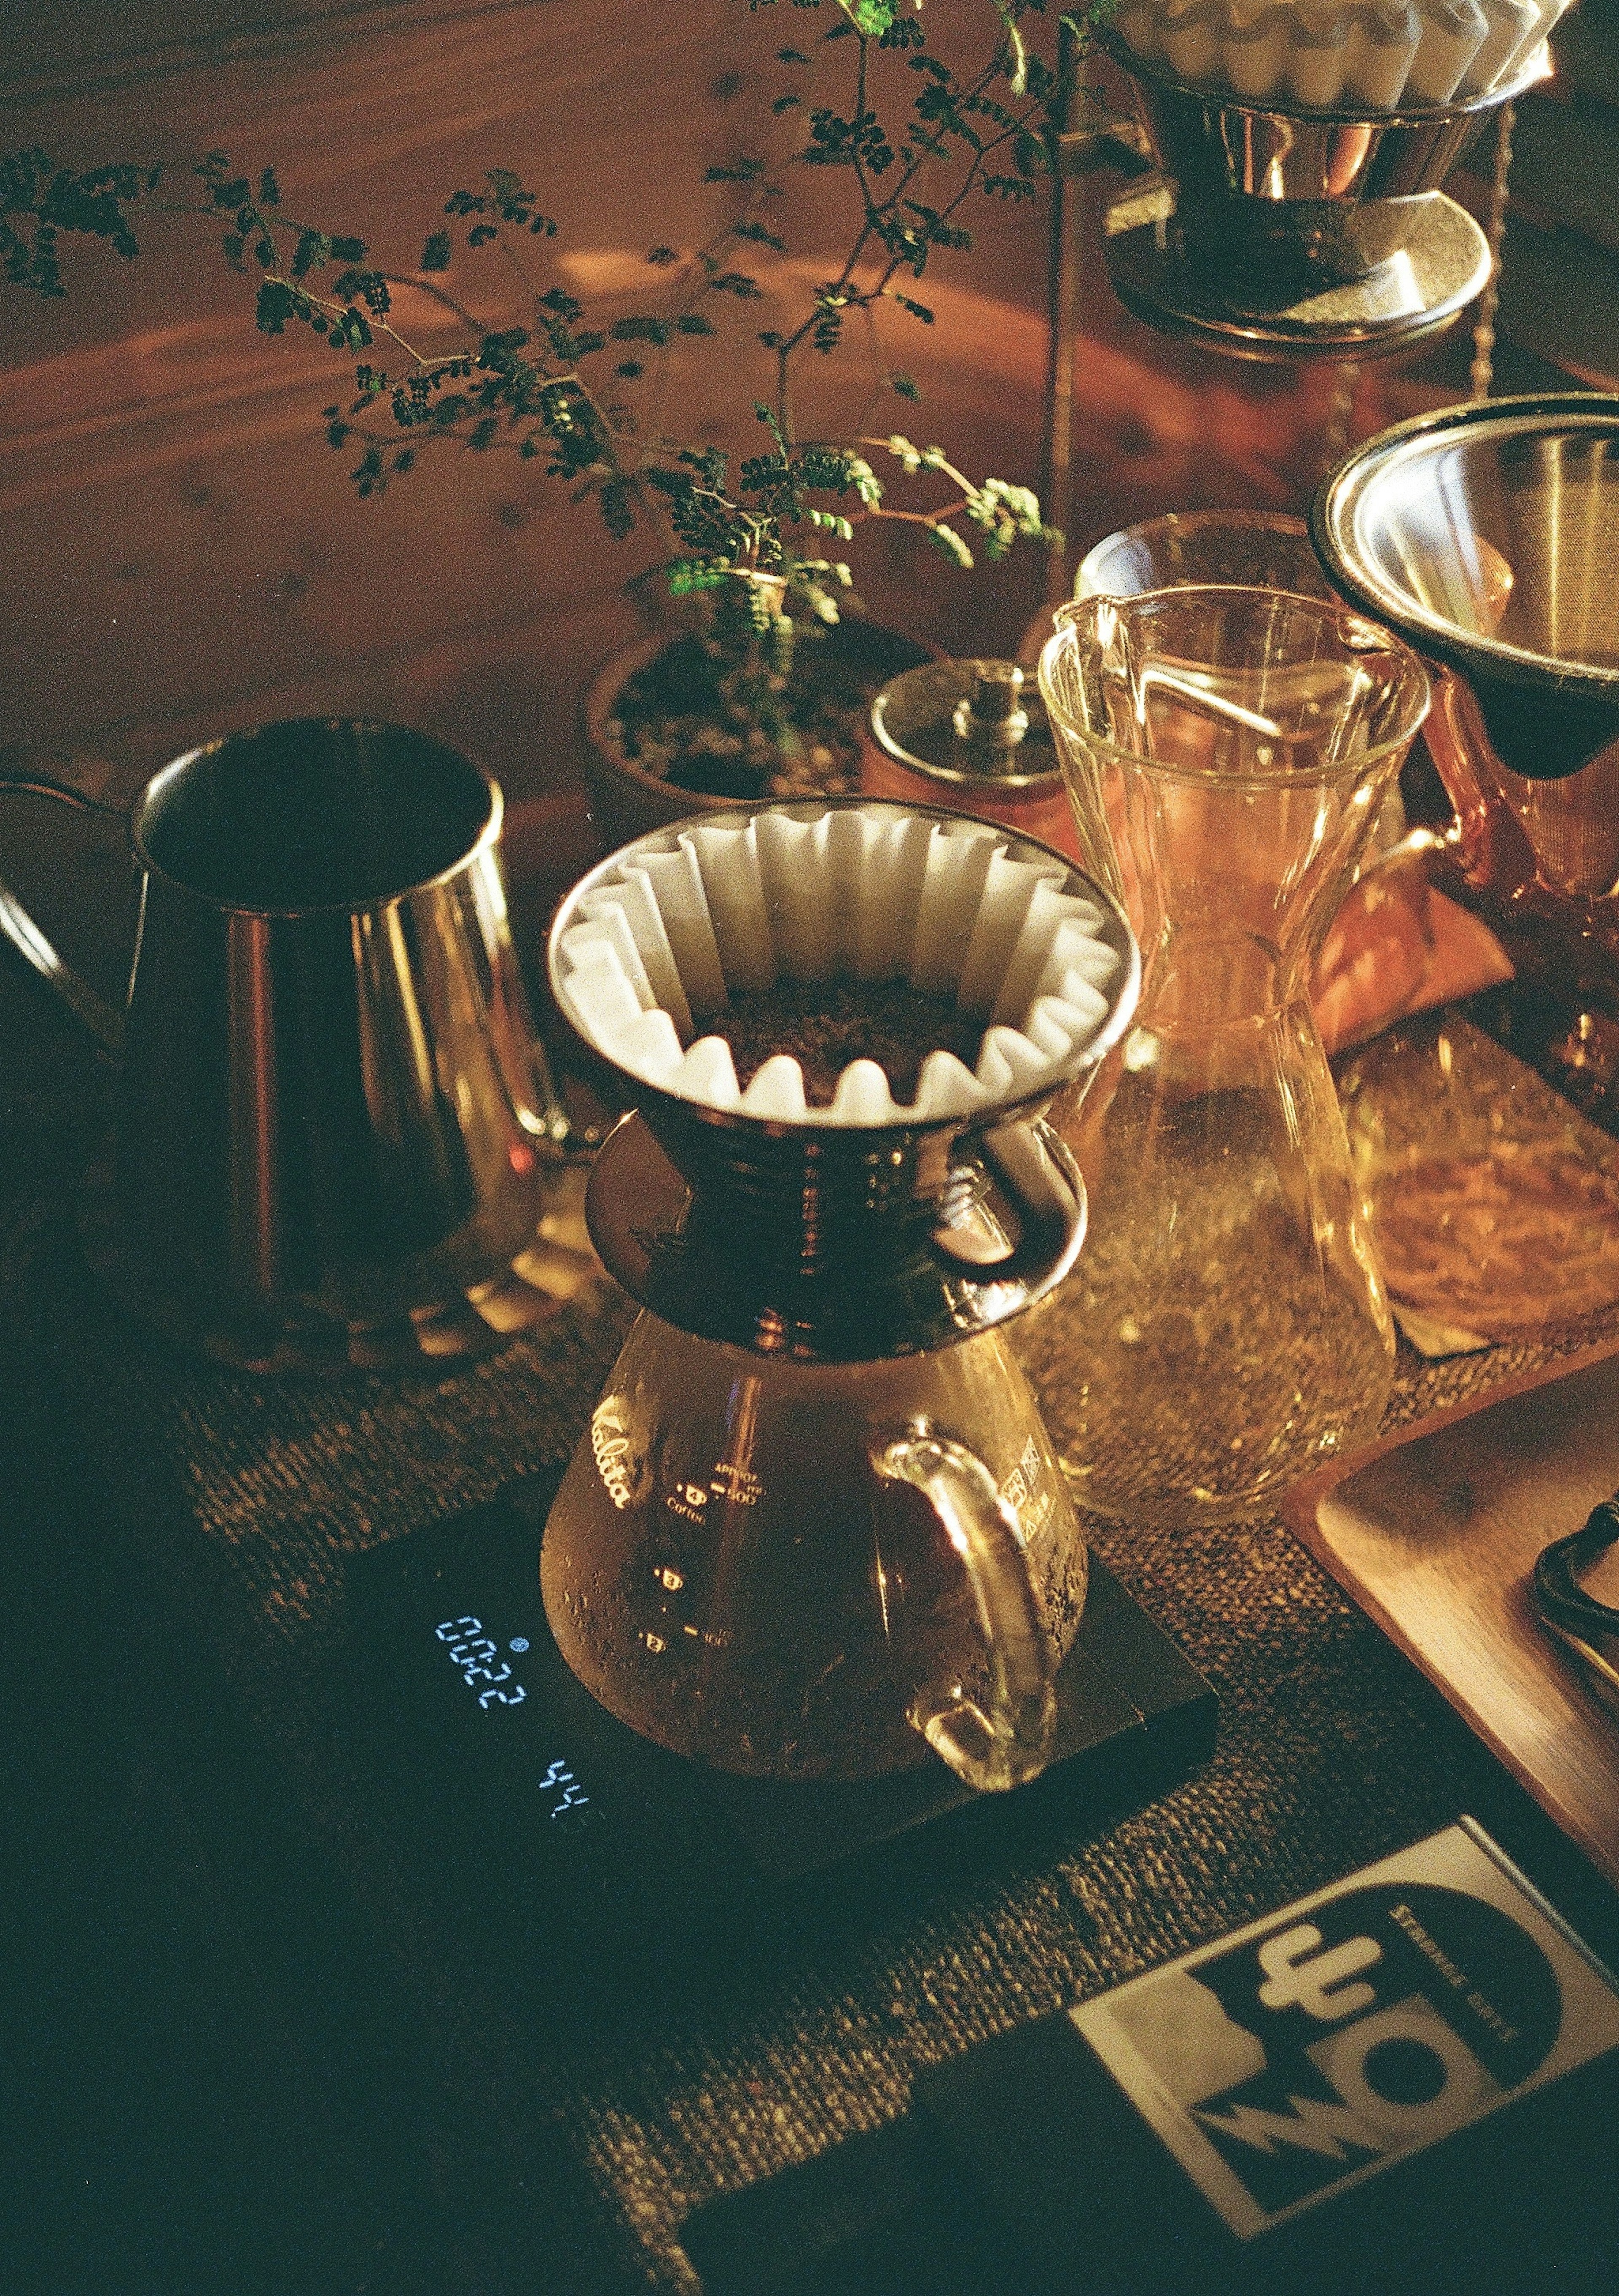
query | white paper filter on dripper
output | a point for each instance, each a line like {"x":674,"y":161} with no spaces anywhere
{"x":1331,"y":55}
{"x":653,"y":953}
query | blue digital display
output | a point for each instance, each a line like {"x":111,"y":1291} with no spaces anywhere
{"x":567,"y":1798}
{"x":476,"y":1652}
{"x":472,"y":1650}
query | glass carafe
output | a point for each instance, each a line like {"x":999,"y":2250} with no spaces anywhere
{"x":1226,"y":750}
{"x":806,"y":1571}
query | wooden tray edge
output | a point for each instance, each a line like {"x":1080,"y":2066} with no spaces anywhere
{"x":1299,"y":1511}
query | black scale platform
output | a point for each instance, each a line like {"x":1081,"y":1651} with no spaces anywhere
{"x":474,"y":1731}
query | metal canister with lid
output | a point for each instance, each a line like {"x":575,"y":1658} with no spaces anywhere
{"x":971,"y":735}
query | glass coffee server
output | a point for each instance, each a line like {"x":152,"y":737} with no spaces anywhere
{"x":1227,"y":750}
{"x":816,"y":1524}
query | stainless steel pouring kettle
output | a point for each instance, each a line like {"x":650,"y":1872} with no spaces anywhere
{"x":336,"y":1141}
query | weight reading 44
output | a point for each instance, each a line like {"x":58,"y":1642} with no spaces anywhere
{"x":472,"y":1651}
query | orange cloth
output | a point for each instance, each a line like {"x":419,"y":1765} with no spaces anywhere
{"x":1397,"y":946}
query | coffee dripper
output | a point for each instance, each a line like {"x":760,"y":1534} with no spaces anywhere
{"x":1487,"y":535}
{"x":816,"y":1523}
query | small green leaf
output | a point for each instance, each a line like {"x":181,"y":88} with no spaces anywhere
{"x":640,"y":328}
{"x":946,"y":540}
{"x":870,"y":18}
{"x":314,"y":248}
{"x":618,"y":506}
{"x":1017,"y":55}
{"x":687,"y":575}
{"x":274,"y":307}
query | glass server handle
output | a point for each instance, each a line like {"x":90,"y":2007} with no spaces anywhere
{"x":1012,"y":1742}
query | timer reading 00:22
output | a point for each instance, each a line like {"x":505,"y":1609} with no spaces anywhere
{"x":472,"y":1650}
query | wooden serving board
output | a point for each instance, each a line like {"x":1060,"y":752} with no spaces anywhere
{"x":1434,"y":1536}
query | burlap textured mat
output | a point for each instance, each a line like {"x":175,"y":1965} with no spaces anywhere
{"x":244,"y":1498}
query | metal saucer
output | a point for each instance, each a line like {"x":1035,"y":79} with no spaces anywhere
{"x":1425,"y":261}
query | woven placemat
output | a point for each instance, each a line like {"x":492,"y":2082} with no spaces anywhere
{"x":1332,"y":1749}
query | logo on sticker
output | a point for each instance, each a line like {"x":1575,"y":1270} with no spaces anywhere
{"x":1370,"y":2026}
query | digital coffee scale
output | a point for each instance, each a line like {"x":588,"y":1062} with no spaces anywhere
{"x":496,"y":1768}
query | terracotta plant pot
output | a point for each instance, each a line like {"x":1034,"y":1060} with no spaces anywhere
{"x":626,"y":800}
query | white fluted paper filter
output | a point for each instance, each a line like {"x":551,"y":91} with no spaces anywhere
{"x":648,"y":958}
{"x":1341,"y":54}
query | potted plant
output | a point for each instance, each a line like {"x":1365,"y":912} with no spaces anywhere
{"x":761,"y":693}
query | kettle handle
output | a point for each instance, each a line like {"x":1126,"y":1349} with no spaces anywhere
{"x":104,"y":1023}
{"x":1011,"y":1743}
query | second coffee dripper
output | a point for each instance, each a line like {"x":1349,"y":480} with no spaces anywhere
{"x":815,"y":1518}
